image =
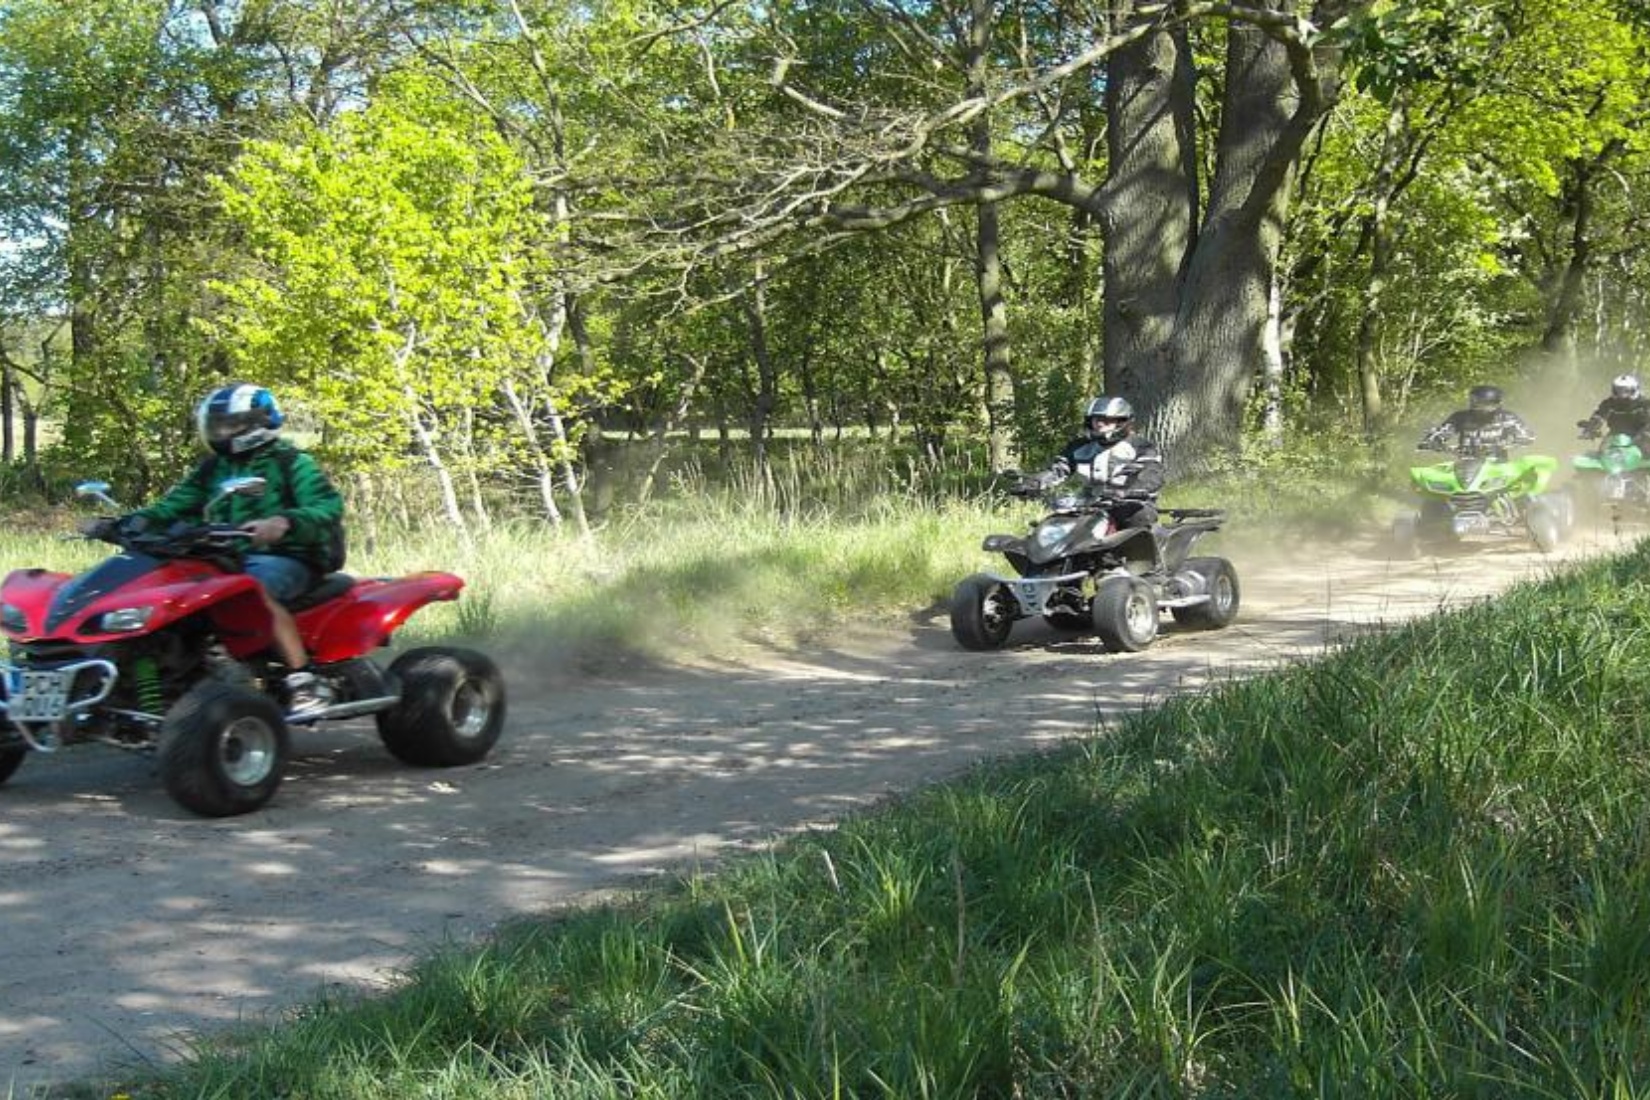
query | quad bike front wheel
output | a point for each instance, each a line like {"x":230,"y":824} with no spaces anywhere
{"x":1406,"y":539}
{"x":451,"y":710}
{"x":10,"y":761}
{"x":1221,"y":583}
{"x":1125,"y":614}
{"x":1546,"y":525}
{"x":982,"y":613}
{"x":223,"y":749}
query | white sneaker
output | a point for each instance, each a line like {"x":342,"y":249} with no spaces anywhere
{"x":306,"y":694}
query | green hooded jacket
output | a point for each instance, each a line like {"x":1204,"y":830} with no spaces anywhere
{"x":296,"y":487}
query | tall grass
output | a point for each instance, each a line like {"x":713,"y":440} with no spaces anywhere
{"x":1419,"y":867}
{"x":780,"y":554}
{"x":783,"y":553}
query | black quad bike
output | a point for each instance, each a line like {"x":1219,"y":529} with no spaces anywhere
{"x":1079,"y":571}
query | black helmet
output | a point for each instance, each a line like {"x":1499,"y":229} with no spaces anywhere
{"x":238,"y":418}
{"x":1485,"y":398}
{"x":1107,"y":419}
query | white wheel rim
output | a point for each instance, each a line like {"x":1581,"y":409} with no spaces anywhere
{"x":247,"y":750}
{"x":1139,"y":614}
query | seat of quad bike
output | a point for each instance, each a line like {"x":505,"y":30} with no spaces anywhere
{"x":332,"y":584}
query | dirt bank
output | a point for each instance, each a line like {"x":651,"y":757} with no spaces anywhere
{"x":131,"y":925}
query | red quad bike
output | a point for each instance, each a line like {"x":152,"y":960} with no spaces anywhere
{"x":165,"y":647}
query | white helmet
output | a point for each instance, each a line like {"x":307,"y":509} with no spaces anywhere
{"x":1107,"y":419}
{"x":237,"y":418}
{"x":1625,"y":385}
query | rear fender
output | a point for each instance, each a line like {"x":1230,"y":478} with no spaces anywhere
{"x":368,"y":615}
{"x":1177,"y":544}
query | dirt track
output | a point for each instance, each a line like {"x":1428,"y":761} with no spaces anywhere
{"x":130,"y":925}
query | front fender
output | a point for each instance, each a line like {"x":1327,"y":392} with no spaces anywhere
{"x":1434,"y":479}
{"x":1536,"y":471}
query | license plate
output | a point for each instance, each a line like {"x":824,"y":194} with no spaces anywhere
{"x":38,"y":696}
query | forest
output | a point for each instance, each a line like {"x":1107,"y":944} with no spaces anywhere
{"x":491,"y":243}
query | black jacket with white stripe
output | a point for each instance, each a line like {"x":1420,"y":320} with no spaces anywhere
{"x":1131,"y":467}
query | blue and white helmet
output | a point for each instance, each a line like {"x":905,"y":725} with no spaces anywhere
{"x":235,"y":419}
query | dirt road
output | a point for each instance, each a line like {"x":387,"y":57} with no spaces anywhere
{"x":129,"y":924}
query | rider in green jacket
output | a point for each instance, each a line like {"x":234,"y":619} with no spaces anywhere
{"x":295,"y":524}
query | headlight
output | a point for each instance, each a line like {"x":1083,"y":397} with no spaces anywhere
{"x":11,"y":618}
{"x":125,"y":620}
{"x":1050,"y":534}
{"x":1490,"y":485}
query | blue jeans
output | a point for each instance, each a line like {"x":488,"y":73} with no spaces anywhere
{"x":283,"y":578}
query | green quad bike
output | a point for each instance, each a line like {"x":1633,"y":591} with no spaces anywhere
{"x":1616,"y":478}
{"x":1482,"y":493}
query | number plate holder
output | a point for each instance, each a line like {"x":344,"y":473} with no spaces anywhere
{"x":46,"y":695}
{"x":38,"y":696}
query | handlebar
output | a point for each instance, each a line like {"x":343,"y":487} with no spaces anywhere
{"x":180,"y":540}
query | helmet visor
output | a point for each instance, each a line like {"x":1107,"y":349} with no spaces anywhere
{"x":222,"y":427}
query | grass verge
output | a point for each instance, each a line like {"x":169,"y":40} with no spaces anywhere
{"x":1417,"y":867}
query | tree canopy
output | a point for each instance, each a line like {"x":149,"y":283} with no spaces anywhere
{"x":483,"y":236}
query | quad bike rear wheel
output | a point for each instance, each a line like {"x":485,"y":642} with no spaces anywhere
{"x":10,"y":761}
{"x":1221,"y":583}
{"x":1406,"y":540}
{"x":223,"y":749}
{"x":982,"y":613}
{"x":1125,"y":614}
{"x":451,"y":710}
{"x":1546,"y":525}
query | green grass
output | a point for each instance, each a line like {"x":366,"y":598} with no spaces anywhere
{"x":1419,"y":867}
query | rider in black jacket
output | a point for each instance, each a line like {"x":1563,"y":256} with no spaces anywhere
{"x":1109,"y":457}
{"x":1625,"y":412}
{"x":1483,"y":423}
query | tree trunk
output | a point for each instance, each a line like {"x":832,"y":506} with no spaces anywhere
{"x":1149,"y":214}
{"x":1271,"y":419}
{"x":810,"y":397}
{"x":472,"y":479}
{"x":569,"y":475}
{"x":443,"y":475}
{"x":988,"y":266}
{"x":564,"y":314}
{"x":1190,"y":309}
{"x":1564,"y":304}
{"x":543,"y":477}
{"x":1377,"y":230}
{"x":668,"y":422}
{"x":8,"y":383}
{"x":766,"y":395}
